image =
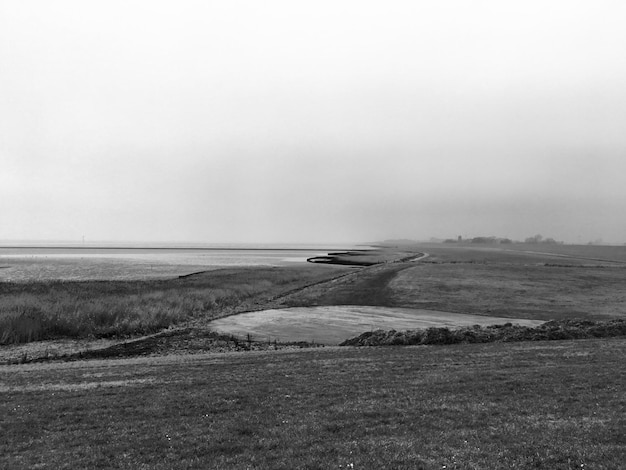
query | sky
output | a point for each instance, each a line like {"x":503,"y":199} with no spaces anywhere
{"x":242,"y":121}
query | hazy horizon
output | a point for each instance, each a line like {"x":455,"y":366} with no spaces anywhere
{"x":331,"y":122}
{"x":321,"y":245}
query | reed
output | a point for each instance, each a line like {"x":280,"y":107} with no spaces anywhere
{"x":45,"y":310}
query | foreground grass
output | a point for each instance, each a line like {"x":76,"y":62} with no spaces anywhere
{"x":99,"y":309}
{"x":558,"y":405}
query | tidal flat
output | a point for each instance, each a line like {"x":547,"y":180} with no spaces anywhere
{"x":134,"y":263}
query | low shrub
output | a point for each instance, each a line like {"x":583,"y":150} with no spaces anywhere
{"x":551,"y":330}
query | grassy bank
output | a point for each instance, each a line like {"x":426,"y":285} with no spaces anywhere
{"x":45,"y":310}
{"x":553,"y":405}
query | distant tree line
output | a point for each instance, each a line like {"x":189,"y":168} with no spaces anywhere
{"x":494,"y":240}
{"x":539,"y":239}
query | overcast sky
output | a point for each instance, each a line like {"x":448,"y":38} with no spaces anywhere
{"x":326,"y":121}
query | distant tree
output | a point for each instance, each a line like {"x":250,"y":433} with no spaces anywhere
{"x":483,"y":240}
{"x":536,"y":239}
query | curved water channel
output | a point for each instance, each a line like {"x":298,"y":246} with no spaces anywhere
{"x":333,"y":324}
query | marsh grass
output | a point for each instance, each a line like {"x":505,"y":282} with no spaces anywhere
{"x":100,"y":309}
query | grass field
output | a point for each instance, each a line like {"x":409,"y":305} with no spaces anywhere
{"x":545,"y":405}
{"x":488,"y":281}
{"x":513,"y":290}
{"x":557,"y":405}
{"x":514,"y":282}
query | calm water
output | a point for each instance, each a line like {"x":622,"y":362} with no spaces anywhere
{"x":98,"y":263}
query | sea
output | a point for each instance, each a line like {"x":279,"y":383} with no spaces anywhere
{"x":66,"y":262}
